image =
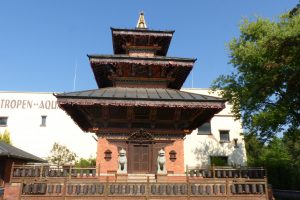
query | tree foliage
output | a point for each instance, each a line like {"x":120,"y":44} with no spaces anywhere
{"x":5,"y":137}
{"x":61,"y":155}
{"x":277,"y":157}
{"x":292,"y":142}
{"x":264,"y":88}
{"x":82,"y":162}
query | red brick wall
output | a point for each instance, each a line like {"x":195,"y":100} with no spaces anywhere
{"x":111,"y":165}
{"x":12,"y":191}
{"x":178,"y":166}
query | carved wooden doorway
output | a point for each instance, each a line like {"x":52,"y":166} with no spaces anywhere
{"x":140,"y":158}
{"x":140,"y":152}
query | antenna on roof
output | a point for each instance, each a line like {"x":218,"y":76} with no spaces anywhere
{"x":75,"y":76}
{"x":141,"y":24}
{"x":192,"y":78}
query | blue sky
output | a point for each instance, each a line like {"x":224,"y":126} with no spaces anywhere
{"x":41,"y":41}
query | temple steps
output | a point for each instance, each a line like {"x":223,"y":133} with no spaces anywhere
{"x":139,"y":178}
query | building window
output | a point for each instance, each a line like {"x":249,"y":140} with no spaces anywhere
{"x":224,"y":136}
{"x":3,"y":121}
{"x":219,"y":160}
{"x":205,"y":129}
{"x":43,"y":122}
{"x":235,"y":140}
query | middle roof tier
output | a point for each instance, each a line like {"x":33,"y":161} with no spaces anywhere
{"x":130,"y":71}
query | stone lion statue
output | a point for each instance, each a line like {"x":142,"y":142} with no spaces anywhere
{"x":122,"y":161}
{"x":161,"y":162}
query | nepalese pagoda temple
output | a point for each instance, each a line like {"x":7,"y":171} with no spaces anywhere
{"x":138,"y":108}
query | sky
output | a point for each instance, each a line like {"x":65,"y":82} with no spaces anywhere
{"x":43,"y":43}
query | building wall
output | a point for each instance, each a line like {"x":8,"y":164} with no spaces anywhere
{"x":107,"y":166}
{"x":199,"y":148}
{"x":177,"y":166}
{"x":24,"y":111}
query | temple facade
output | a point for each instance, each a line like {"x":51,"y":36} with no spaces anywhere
{"x":138,"y":107}
{"x":146,"y":129}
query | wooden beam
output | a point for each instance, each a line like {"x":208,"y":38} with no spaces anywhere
{"x":154,"y":131}
{"x":152,"y":117}
{"x":130,"y":116}
{"x":177,"y":116}
{"x":192,"y":119}
{"x":105,"y":115}
{"x":134,"y":120}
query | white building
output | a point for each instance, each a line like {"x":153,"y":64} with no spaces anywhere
{"x":35,"y":122}
{"x":221,"y":139}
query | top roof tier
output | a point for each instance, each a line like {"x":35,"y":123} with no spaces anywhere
{"x":140,"y":60}
{"x":141,"y":39}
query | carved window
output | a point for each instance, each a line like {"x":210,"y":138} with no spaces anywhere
{"x":172,"y":155}
{"x":107,"y":155}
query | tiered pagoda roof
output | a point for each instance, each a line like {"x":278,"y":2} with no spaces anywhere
{"x":139,"y":88}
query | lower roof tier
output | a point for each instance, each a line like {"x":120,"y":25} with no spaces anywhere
{"x":121,"y":110}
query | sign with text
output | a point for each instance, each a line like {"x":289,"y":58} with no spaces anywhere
{"x":28,"y":104}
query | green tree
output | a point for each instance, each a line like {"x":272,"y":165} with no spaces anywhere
{"x":275,"y":156}
{"x":292,"y":142}
{"x":255,"y":149}
{"x":282,"y":173}
{"x":61,"y":155}
{"x":264,"y":87}
{"x":5,"y":137}
{"x":82,"y":162}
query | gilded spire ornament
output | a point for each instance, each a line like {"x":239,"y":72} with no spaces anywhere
{"x":141,"y":24}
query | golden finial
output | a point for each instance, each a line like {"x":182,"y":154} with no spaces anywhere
{"x":141,"y":22}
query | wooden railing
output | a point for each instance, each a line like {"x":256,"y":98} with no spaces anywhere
{"x":227,"y":172}
{"x":49,"y":171}
{"x":91,"y":188}
{"x":70,"y":182}
{"x":21,"y":172}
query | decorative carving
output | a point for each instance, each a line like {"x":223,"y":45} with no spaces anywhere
{"x":122,"y":161}
{"x":161,"y":162}
{"x":140,"y":136}
{"x":140,"y":70}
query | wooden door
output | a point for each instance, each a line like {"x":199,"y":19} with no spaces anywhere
{"x":140,"y":160}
